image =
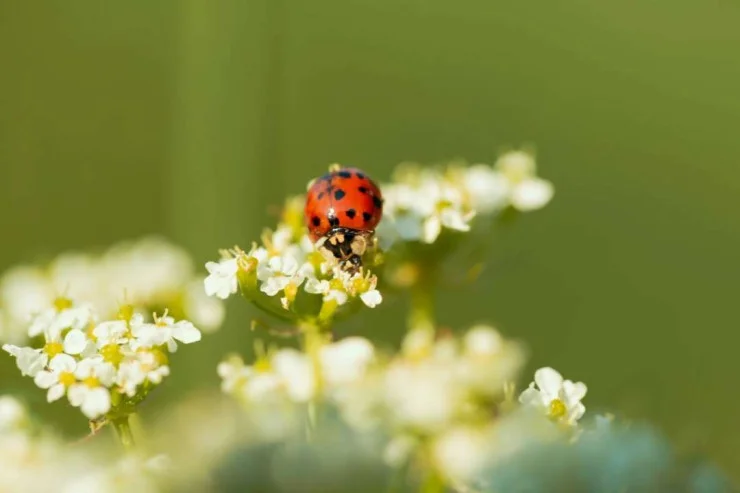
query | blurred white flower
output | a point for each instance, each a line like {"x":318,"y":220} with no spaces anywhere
{"x":527,"y":192}
{"x":346,"y":361}
{"x":461,"y":452}
{"x":147,"y":274}
{"x":487,"y":189}
{"x":221,"y":281}
{"x":559,"y":399}
{"x":13,"y":414}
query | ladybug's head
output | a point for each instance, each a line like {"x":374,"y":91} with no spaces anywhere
{"x":345,"y":246}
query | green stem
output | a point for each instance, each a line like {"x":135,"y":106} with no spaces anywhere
{"x":313,"y":340}
{"x":123,"y":430}
{"x":421,"y":314}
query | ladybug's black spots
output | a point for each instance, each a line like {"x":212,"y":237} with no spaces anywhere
{"x":339,"y":194}
{"x":351,"y":213}
{"x":316,"y":221}
{"x":377,"y":202}
{"x":344,"y":174}
{"x":367,"y":216}
{"x":333,"y":221}
{"x":359,"y":175}
{"x":320,"y":195}
{"x":362,"y":189}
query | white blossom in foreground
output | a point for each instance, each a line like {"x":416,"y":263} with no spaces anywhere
{"x":291,"y":375}
{"x":147,"y":274}
{"x":559,"y":399}
{"x":100,"y":367}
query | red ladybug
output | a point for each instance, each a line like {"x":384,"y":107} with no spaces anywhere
{"x":342,"y":209}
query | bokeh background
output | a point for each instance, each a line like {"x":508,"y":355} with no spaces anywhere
{"x":194,"y":119}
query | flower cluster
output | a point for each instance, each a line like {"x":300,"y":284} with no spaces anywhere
{"x":35,"y":460}
{"x":422,"y":202}
{"x":287,"y":276}
{"x":148,"y":274}
{"x":442,"y":394}
{"x":104,"y":368}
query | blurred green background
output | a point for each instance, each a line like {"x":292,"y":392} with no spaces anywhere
{"x":194,"y":118}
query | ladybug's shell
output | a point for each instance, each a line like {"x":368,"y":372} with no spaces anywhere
{"x":345,"y":198}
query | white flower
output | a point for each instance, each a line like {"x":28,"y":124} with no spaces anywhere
{"x":527,"y":192}
{"x":165,"y":331}
{"x":422,"y":396}
{"x":112,"y":332}
{"x":316,"y":286}
{"x":277,"y":273}
{"x":91,"y":394}
{"x":347,"y":360}
{"x":133,"y":373}
{"x":461,"y":452}
{"x":52,"y":322}
{"x":450,"y":217}
{"x":336,"y":295}
{"x":29,"y":361}
{"x":221,"y":281}
{"x":531,"y":194}
{"x":296,"y":372}
{"x":560,"y":399}
{"x":487,"y":189}
{"x":59,"y":376}
{"x":206,"y":312}
{"x":12,"y":414}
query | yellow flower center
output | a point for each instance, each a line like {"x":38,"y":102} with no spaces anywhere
{"x":112,"y":354}
{"x":53,"y":348}
{"x":557,"y":409}
{"x":262,"y":365}
{"x":126,"y":312}
{"x":160,"y":357}
{"x":291,"y":291}
{"x":67,"y":378}
{"x":91,"y":382}
{"x":62,"y":303}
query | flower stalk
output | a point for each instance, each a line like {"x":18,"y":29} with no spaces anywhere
{"x":123,"y":430}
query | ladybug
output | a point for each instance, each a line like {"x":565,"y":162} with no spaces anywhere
{"x":342,"y":209}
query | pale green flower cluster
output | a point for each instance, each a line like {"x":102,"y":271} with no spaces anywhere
{"x":148,"y":274}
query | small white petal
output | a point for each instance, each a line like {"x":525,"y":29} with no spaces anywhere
{"x":45,"y":379}
{"x":339,"y":296}
{"x":75,"y":342}
{"x":454,"y":219}
{"x":62,"y":362}
{"x":573,"y":392}
{"x":96,"y":403}
{"x":432,"y":228}
{"x":549,"y":382}
{"x":222,"y":281}
{"x":371,"y":298}
{"x":56,"y":392}
{"x":314,"y":286}
{"x":185,"y":332}
{"x":531,"y":397}
{"x":532,"y":194}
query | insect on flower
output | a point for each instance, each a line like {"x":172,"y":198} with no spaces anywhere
{"x":343,"y":207}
